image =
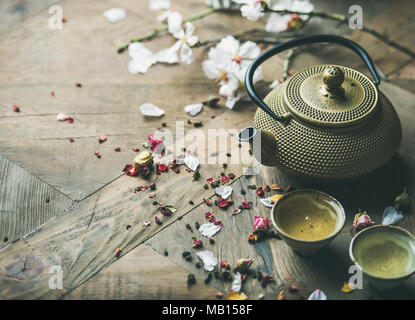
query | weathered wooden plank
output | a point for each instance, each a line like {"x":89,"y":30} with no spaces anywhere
{"x":25,"y":202}
{"x":141,"y":274}
{"x":107,"y":104}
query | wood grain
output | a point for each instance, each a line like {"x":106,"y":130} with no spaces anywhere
{"x":25,"y":202}
{"x":142,"y":274}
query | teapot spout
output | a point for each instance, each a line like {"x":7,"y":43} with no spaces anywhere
{"x":262,"y":143}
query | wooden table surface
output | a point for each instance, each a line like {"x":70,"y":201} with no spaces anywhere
{"x":60,"y":205}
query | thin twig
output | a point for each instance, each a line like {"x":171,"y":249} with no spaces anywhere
{"x":164,"y":28}
{"x":342,"y":19}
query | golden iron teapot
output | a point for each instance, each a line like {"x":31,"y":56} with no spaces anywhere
{"x":326,"y":121}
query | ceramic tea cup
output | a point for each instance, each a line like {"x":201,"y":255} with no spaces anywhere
{"x":385,"y":255}
{"x":308,"y":220}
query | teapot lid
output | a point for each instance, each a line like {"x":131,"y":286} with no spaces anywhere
{"x":331,"y":96}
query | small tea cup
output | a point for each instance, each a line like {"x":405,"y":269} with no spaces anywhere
{"x":313,"y":204}
{"x":385,"y":255}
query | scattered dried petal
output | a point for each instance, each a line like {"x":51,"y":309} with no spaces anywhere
{"x":391,"y":216}
{"x":150,"y":110}
{"x":102,"y":139}
{"x":317,"y":295}
{"x":209,"y":229}
{"x":224,"y":191}
{"x":191,"y":162}
{"x":237,"y":282}
{"x":197,"y":244}
{"x":347,"y":288}
{"x":234,"y":295}
{"x":208,"y":259}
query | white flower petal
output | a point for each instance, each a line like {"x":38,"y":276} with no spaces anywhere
{"x":228,"y":45}
{"x":277,"y":23}
{"x":210,"y":69}
{"x":237,"y":282}
{"x":191,"y":162}
{"x":186,"y":54}
{"x":391,"y":216}
{"x":140,"y":65}
{"x":174,"y":22}
{"x":115,"y":14}
{"x":267,"y":202}
{"x":209,"y":229}
{"x":209,"y":260}
{"x":317,"y":295}
{"x":137,"y":50}
{"x":274,"y":84}
{"x":63,"y":116}
{"x":150,"y":110}
{"x":168,"y":55}
{"x":224,"y":191}
{"x":231,"y":101}
{"x":190,"y":29}
{"x":249,"y":50}
{"x":192,"y":40}
{"x":163,"y":17}
{"x":193,"y":109}
{"x":252,"y":11}
{"x":159,"y":4}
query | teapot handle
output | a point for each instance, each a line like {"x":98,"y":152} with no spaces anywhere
{"x":321,"y":38}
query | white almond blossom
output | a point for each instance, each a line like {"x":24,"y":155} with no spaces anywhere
{"x":159,"y":4}
{"x":251,"y":9}
{"x":278,"y":22}
{"x":227,"y":64}
{"x":186,"y":40}
{"x":234,"y":89}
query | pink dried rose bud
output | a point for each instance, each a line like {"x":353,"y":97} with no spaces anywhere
{"x":261,"y":223}
{"x":117,"y":149}
{"x":102,"y":139}
{"x":219,"y":295}
{"x":260,"y":192}
{"x":246,"y":204}
{"x":224,"y":264}
{"x":16,"y":108}
{"x":211,"y":240}
{"x":217,"y":222}
{"x":236,"y":211}
{"x":152,"y":195}
{"x":130,"y":170}
{"x":118,"y":252}
{"x":209,"y":216}
{"x":98,"y":154}
{"x":267,"y":188}
{"x":197,"y":244}
{"x":362,"y":220}
{"x":224,"y":179}
{"x":71,"y":140}
{"x":243,"y":264}
{"x":136,"y":149}
{"x":157,"y":220}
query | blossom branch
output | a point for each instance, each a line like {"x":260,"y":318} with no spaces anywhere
{"x":164,"y":28}
{"x":342,"y":19}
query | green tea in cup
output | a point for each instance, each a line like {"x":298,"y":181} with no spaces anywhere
{"x":308,"y":216}
{"x":385,"y":255}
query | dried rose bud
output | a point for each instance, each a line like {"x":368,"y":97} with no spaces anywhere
{"x":78,"y":84}
{"x":224,"y":179}
{"x":267,"y":188}
{"x":117,"y":149}
{"x":231,"y":176}
{"x":292,"y":288}
{"x":118,"y":252}
{"x":236,"y":211}
{"x":151,"y":194}
{"x":157,"y":220}
{"x":246,"y":204}
{"x":362,"y":220}
{"x":219,"y":295}
{"x":211,"y":240}
{"x":260,"y":192}
{"x":16,"y":108}
{"x":197,"y":244}
{"x":224,"y":264}
{"x":102,"y":139}
{"x":130,"y":170}
{"x":71,"y":140}
{"x":208,"y":202}
{"x":252,"y":238}
{"x":209,"y":216}
{"x":217,"y":222}
{"x":261,"y":223}
{"x":243,"y":264}
{"x":98,"y":154}
{"x":402,"y":201}
{"x":136,"y":149}
{"x":144,"y":158}
{"x":276,"y":187}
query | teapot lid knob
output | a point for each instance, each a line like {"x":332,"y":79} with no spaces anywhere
{"x":333,"y":77}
